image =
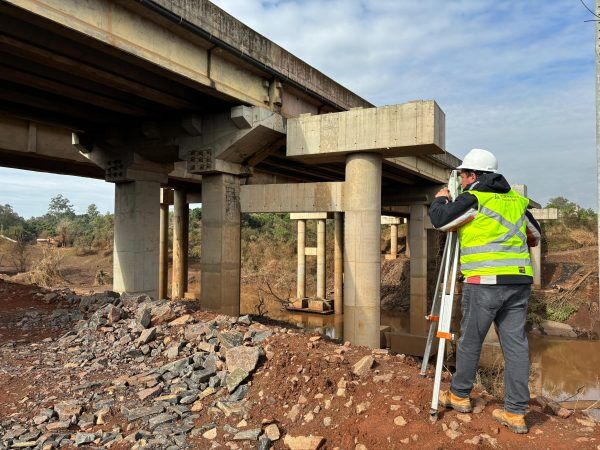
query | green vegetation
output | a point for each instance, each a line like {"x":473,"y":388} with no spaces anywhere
{"x":89,"y":232}
{"x":576,"y":227}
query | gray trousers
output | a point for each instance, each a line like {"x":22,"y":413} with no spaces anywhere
{"x":506,"y":306}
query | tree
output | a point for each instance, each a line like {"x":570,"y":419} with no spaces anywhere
{"x":60,"y":207}
{"x":66,"y":230}
{"x":8,"y":217}
{"x":92,"y":212}
{"x":20,"y":248}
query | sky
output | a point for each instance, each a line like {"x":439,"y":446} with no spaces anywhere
{"x":515,"y":77}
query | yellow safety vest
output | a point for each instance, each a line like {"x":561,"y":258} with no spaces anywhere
{"x":495,"y":242}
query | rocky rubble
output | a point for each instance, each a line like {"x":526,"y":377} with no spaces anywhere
{"x":166,"y":365}
{"x":133,"y":372}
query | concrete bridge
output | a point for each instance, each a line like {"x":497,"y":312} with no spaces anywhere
{"x":180,"y":96}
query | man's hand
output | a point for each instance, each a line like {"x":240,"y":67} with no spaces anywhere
{"x":444,"y":192}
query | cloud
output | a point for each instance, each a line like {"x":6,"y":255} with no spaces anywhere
{"x":29,"y":193}
{"x":515,"y":77}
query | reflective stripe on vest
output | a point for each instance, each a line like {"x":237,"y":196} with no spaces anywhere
{"x":496,"y":252}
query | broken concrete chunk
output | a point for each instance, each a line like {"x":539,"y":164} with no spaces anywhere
{"x":235,"y":378}
{"x":363,"y":366}
{"x":303,"y":442}
{"x":243,"y":357}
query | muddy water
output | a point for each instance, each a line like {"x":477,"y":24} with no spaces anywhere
{"x":569,"y":368}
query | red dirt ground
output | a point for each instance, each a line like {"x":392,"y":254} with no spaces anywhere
{"x":306,"y":373}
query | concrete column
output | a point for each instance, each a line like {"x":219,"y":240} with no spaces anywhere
{"x":221,"y":248}
{"x":137,"y":234}
{"x":321,"y":223}
{"x":338,"y":268}
{"x":362,"y":259}
{"x":536,"y":262}
{"x":179,"y":283}
{"x":393,"y":241}
{"x":301,"y":272}
{"x":417,"y":238}
{"x":163,"y":274}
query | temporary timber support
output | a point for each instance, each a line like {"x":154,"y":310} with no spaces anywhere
{"x":301,"y":271}
{"x":338,"y":257}
{"x":166,"y":199}
{"x":180,"y":247}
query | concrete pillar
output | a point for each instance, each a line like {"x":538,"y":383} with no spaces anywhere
{"x":301,"y":272}
{"x":321,"y":223}
{"x":536,"y":262}
{"x":338,"y":268}
{"x":417,"y":238}
{"x":163,"y":274}
{"x":180,"y":251}
{"x":136,"y":242}
{"x":393,"y":241}
{"x":221,"y":248}
{"x":362,"y":259}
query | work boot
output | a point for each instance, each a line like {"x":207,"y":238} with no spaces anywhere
{"x":460,"y":404}
{"x":514,"y":422}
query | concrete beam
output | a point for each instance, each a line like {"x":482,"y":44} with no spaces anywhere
{"x":311,"y":216}
{"x":245,"y":42}
{"x":415,"y":128}
{"x":412,"y":195}
{"x":172,"y":49}
{"x":300,"y":197}
{"x":544,"y":213}
{"x":233,"y":137}
{"x":391,"y":220}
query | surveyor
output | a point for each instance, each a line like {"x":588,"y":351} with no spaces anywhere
{"x":495,"y":230}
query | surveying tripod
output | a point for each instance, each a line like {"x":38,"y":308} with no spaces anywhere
{"x":443,"y":300}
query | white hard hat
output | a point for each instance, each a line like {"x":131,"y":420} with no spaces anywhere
{"x":480,"y":159}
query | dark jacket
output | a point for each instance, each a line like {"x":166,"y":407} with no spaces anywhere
{"x":446,"y":215}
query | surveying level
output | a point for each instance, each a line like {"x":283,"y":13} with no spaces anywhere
{"x":443,"y":299}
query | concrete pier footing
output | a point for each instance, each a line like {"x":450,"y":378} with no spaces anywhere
{"x":136,"y":242}
{"x":301,"y":271}
{"x":362,"y":249}
{"x":321,"y":264}
{"x":221,"y":250}
{"x":338,"y":268}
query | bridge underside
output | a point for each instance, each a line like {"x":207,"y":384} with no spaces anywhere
{"x":157,"y":94}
